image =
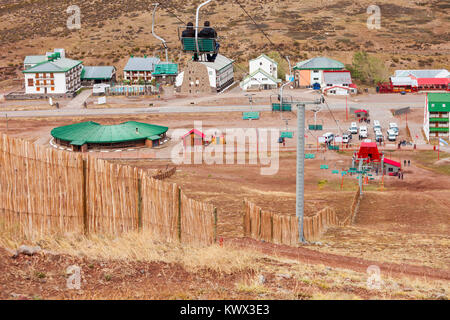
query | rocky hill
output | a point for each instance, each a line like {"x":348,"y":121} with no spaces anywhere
{"x":413,"y":33}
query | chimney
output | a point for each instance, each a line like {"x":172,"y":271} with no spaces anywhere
{"x":137,"y":130}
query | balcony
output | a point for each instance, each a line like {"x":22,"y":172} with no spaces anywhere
{"x":439,"y":119}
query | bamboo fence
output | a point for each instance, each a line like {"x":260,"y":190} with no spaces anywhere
{"x":40,"y":189}
{"x":283,"y":229}
{"x":45,"y":191}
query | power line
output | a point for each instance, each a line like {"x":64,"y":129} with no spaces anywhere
{"x":258,"y":27}
{"x":171,"y":12}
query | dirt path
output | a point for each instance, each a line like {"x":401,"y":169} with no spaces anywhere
{"x":337,"y":261}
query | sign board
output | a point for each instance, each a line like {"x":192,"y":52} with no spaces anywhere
{"x":101,"y":100}
{"x":338,"y":139}
{"x":442,"y":142}
{"x":321,"y":139}
{"x":344,"y":173}
{"x":287,"y":134}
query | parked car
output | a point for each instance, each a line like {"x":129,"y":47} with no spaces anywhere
{"x":378,"y":136}
{"x":393,"y":126}
{"x":363,"y":132}
{"x":353,"y":128}
{"x":329,"y":137}
{"x":346,"y":138}
{"x":376,"y":125}
{"x":392,"y":136}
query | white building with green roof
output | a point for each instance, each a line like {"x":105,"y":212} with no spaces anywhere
{"x":55,"y":76}
{"x":436,"y":116}
{"x":263,"y":74}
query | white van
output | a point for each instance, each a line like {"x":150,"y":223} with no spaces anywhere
{"x":363,"y":132}
{"x":353,"y":128}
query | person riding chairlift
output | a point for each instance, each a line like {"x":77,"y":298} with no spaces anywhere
{"x":189,"y":33}
{"x":210,"y":33}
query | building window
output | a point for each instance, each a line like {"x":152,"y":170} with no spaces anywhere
{"x":53,"y":88}
{"x":51,"y":75}
{"x":38,"y":89}
{"x":30,"y":82}
{"x":316,"y":78}
{"x":315,"y":71}
{"x":260,"y":63}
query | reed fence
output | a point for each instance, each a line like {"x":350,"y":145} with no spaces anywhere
{"x":283,"y":229}
{"x":46,"y":191}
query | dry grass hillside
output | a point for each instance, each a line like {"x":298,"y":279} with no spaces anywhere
{"x":413,"y":33}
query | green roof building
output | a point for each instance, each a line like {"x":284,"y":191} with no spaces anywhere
{"x":91,"y":135}
{"x":98,"y":74}
{"x":165,"y":73}
{"x":311,"y":71}
{"x":436,"y":116}
{"x":57,"y":76}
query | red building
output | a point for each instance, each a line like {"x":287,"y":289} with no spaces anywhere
{"x":369,"y":150}
{"x":193,"y":138}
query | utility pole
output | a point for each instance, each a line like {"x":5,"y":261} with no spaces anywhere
{"x":300,"y":192}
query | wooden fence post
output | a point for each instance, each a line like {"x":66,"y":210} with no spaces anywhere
{"x":179,"y":214}
{"x":215,"y":224}
{"x":260,"y":223}
{"x":84,"y":186}
{"x":139,"y":204}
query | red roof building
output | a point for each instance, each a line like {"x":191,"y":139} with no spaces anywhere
{"x":369,"y":150}
{"x":392,"y":163}
{"x":193,"y":138}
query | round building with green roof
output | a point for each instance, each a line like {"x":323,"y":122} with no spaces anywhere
{"x":91,"y":135}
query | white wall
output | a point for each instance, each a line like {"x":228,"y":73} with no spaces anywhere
{"x":59,"y":83}
{"x":257,"y":80}
{"x":316,"y":74}
{"x":426,"y":120}
{"x":179,"y":79}
{"x":264,"y":64}
{"x":223,"y":76}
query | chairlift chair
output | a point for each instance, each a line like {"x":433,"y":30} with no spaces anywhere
{"x":201,"y":46}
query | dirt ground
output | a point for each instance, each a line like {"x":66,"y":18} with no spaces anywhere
{"x":404,"y":226}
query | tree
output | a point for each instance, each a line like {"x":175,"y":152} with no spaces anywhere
{"x":367,"y":69}
{"x":283,"y":66}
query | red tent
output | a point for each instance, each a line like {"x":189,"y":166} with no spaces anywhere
{"x":361,"y":111}
{"x":369,"y":150}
